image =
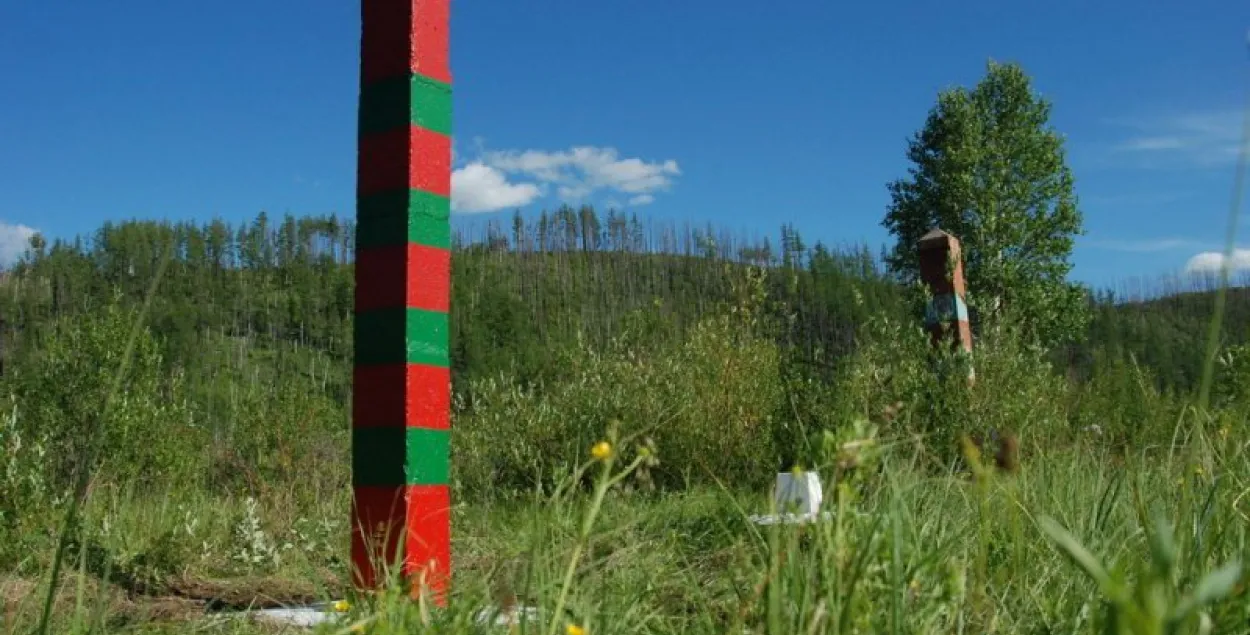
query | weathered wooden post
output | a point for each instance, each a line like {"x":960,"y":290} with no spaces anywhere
{"x":942,"y":270}
{"x":401,"y":382}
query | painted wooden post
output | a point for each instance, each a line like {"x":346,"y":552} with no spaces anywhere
{"x":401,"y":383}
{"x":942,"y":269}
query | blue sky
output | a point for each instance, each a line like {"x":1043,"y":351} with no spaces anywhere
{"x":744,"y":114}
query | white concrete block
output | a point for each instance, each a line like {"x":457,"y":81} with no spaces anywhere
{"x":803,"y":490}
{"x":797,"y":498}
{"x":789,"y":519}
{"x":510,"y":617}
{"x":318,"y":614}
{"x":302,"y":616}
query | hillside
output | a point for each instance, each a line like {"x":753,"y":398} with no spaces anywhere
{"x":292,"y":282}
{"x":518,"y":295}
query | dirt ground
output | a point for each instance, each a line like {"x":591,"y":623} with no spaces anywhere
{"x":186,"y":600}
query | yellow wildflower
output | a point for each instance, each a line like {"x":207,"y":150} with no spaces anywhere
{"x":601,"y":451}
{"x":972,"y":453}
{"x":341,"y":606}
{"x":573,"y":629}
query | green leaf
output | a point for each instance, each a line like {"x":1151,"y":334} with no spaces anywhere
{"x":1162,"y":547}
{"x":1068,"y":544}
{"x":1218,"y":584}
{"x":1213,"y":587}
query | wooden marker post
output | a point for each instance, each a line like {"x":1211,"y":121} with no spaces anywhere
{"x":401,"y":382}
{"x":942,"y":269}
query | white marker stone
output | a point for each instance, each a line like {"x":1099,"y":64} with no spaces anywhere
{"x":797,"y":497}
{"x":801,"y":490}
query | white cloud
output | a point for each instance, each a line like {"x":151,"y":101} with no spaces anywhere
{"x":1213,"y":261}
{"x":14,"y":241}
{"x":574,"y":192}
{"x":502,"y":179}
{"x":1199,"y":139}
{"x":582,"y":171}
{"x":1135,"y":198}
{"x":1146,"y":245}
{"x":478,"y":187}
{"x":1147,"y":144}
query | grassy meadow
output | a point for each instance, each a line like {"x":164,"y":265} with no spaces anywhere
{"x":192,"y":383}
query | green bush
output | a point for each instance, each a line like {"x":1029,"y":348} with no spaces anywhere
{"x":895,"y":376}
{"x":1122,"y":404}
{"x":24,"y":488}
{"x":147,"y":431}
{"x":709,"y":403}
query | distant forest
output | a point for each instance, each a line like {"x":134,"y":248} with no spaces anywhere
{"x":524,"y":288}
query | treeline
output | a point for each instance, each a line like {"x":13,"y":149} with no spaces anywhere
{"x":524,"y":287}
{"x":518,"y":291}
{"x":1168,"y":334}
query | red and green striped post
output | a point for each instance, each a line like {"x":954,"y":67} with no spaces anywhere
{"x":401,"y":383}
{"x":942,"y":270}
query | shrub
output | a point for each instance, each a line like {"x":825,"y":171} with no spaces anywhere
{"x":709,"y":403}
{"x":897,"y":377}
{"x":148,"y":432}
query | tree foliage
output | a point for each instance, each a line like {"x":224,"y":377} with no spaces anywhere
{"x":987,"y":168}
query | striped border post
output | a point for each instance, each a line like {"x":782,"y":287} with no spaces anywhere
{"x":401,"y":384}
{"x":942,"y":269}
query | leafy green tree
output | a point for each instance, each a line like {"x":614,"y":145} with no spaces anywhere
{"x":988,"y":169}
